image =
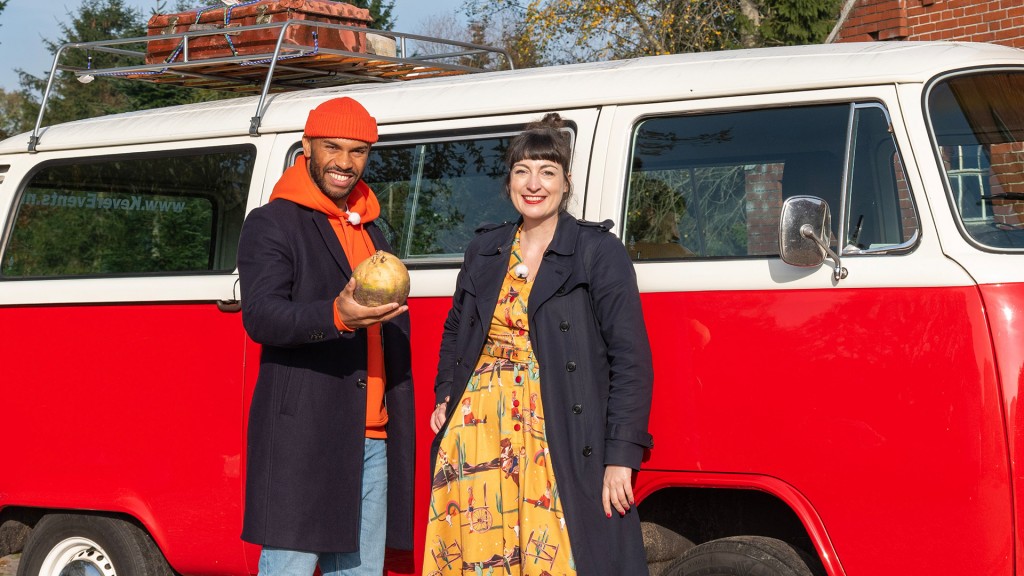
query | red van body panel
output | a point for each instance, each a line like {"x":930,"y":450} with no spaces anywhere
{"x":166,"y":446}
{"x":1004,"y":304}
{"x":817,"y":396}
{"x":729,"y":412}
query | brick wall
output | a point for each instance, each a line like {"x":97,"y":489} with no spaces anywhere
{"x":995,"y":21}
{"x":764,"y":207}
{"x":1007,"y":178}
{"x":908,"y":216}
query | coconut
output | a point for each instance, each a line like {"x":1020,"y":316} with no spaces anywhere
{"x":380,"y":279}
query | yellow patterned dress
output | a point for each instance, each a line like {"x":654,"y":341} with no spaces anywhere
{"x":494,"y":506}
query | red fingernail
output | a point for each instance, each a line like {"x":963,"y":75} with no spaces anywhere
{"x":609,"y":514}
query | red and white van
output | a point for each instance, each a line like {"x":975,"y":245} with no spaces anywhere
{"x":857,"y":416}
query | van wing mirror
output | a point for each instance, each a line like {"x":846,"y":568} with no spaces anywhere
{"x":803,"y":227}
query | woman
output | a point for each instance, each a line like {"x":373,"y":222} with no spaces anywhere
{"x":546,"y":353}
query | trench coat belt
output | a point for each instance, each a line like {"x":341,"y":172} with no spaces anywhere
{"x":506,"y":352}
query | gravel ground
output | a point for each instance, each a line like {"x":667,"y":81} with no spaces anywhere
{"x":9,"y":565}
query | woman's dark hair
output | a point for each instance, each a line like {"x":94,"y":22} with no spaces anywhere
{"x":543,"y":139}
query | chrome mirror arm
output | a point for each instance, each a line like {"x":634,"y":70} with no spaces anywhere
{"x":838,"y":271}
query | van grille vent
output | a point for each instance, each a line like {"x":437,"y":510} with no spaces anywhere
{"x":3,"y":170}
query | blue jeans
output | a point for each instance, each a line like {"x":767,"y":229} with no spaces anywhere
{"x":369,"y":559}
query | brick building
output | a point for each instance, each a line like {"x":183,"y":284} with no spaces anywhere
{"x":995,"y":21}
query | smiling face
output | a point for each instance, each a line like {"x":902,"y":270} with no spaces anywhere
{"x":536,"y":188}
{"x":335,"y":165}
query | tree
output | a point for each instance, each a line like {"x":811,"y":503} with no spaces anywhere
{"x":13,"y":118}
{"x":581,"y":30}
{"x":587,"y":30}
{"x":482,"y":32}
{"x":70,"y":99}
{"x":8,"y":105}
{"x":106,"y":19}
{"x":794,"y":22}
{"x":380,"y":11}
{"x":515,"y":37}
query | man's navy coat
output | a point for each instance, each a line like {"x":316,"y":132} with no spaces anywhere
{"x":587,"y":331}
{"x":308,"y":413}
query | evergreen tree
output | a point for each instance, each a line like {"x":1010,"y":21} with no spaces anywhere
{"x":795,"y":22}
{"x":380,"y":11}
{"x":70,"y":99}
{"x":14,"y":118}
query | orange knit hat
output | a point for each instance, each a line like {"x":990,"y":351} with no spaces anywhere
{"x":341,"y":118}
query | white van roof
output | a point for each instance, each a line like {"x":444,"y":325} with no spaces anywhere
{"x":673,"y":77}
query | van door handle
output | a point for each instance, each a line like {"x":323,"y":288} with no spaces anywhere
{"x":233,"y":304}
{"x":229,"y":305}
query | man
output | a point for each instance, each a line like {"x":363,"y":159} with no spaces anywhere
{"x":330,"y":446}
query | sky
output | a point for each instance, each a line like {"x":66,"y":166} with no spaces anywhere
{"x":24,"y":24}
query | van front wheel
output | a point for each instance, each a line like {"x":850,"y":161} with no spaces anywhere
{"x":65,"y":544}
{"x":743,"y":556}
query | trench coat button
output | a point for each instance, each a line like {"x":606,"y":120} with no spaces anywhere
{"x":560,"y":291}
{"x":472,"y":321}
{"x":458,"y":361}
{"x":360,"y":383}
{"x":577,"y":408}
{"x":564,"y":326}
{"x":570,"y":367}
{"x":587,"y":451}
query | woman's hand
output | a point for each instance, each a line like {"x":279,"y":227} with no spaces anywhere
{"x":438,"y":417}
{"x":617,"y":491}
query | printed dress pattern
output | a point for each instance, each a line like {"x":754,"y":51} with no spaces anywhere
{"x":494,"y":506}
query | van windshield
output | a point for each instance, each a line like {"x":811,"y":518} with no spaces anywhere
{"x":978,"y":125}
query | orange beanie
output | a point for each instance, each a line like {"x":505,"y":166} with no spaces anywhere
{"x":341,"y":118}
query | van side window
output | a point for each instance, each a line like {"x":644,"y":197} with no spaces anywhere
{"x":174,"y":213}
{"x":712,"y":186}
{"x":878,"y":215}
{"x":434,"y":195}
{"x":978,"y":127}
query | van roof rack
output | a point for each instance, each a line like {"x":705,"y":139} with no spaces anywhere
{"x":289,"y":66}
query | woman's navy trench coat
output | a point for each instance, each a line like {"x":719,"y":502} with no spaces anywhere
{"x":587,"y":331}
{"x":307,"y":419}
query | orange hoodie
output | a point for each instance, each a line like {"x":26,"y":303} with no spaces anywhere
{"x":296,"y":185}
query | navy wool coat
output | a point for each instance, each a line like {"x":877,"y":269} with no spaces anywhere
{"x":308,"y":414}
{"x":588,"y":334}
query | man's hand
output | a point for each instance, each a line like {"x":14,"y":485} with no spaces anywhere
{"x":617,"y":491}
{"x":438,"y":417}
{"x":357,"y":316}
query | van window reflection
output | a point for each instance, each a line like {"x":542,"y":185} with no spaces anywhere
{"x":117,"y":216}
